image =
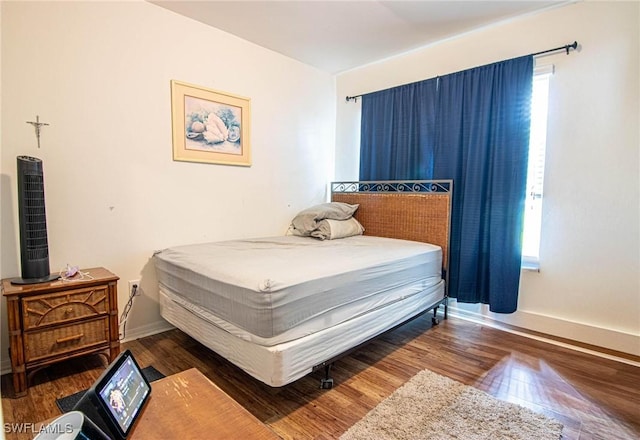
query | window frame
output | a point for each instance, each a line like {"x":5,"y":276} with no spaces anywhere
{"x":535,"y":184}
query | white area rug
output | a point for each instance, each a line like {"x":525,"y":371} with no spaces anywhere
{"x":431,"y":406}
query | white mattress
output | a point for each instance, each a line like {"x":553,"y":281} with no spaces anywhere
{"x":283,"y":363}
{"x":272,"y":290}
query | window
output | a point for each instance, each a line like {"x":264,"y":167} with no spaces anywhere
{"x":535,"y":172}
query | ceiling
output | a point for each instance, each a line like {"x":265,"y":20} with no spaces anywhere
{"x":337,"y":35}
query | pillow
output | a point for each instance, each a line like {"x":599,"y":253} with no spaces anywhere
{"x":307,"y":221}
{"x":332,"y":229}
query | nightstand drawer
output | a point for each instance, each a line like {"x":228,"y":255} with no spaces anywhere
{"x":47,"y":343}
{"x":46,"y":310}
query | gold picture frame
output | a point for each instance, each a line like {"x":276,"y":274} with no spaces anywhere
{"x":209,"y":126}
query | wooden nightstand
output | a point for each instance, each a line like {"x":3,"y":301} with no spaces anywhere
{"x":59,"y":320}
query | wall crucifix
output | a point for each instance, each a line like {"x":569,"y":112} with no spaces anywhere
{"x":38,"y":125}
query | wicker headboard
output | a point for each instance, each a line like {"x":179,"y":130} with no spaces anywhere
{"x":418,"y":210}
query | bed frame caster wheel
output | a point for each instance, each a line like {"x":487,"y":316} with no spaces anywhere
{"x":434,"y":320}
{"x":326,"y":384}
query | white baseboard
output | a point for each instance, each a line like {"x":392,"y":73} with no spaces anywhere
{"x":147,"y":330}
{"x":573,"y":331}
{"x":5,"y":366}
{"x":132,"y":334}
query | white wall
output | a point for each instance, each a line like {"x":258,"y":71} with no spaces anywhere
{"x":589,"y":285}
{"x":99,"y":73}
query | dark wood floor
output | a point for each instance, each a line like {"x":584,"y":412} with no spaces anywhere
{"x":594,"y":398}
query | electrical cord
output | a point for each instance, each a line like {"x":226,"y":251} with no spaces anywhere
{"x":127,"y":309}
{"x":72,"y":273}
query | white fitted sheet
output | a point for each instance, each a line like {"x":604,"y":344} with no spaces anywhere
{"x":280,"y":364}
{"x":277,"y":289}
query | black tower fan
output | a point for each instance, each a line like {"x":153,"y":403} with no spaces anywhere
{"x":34,"y":248}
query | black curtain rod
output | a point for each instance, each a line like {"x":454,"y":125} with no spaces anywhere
{"x":566,"y":48}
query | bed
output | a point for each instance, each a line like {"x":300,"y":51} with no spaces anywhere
{"x":281,"y":307}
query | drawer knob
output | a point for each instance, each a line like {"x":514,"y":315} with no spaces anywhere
{"x":69,"y":338}
{"x":68,"y":311}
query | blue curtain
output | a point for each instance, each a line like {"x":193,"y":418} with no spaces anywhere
{"x":480,"y":139}
{"x":397,"y":128}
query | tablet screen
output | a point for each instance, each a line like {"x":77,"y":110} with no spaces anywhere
{"x":124,"y":393}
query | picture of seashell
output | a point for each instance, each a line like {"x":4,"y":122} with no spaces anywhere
{"x":234,"y":134}
{"x":213,"y":137}
{"x":197,"y":127}
{"x":215,"y":130}
{"x":212,"y":127}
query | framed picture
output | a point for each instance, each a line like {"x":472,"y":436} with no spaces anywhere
{"x":209,"y":126}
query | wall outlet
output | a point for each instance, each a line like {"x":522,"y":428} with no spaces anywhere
{"x":134,"y":283}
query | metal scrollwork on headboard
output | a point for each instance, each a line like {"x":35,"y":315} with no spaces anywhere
{"x":393,"y":186}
